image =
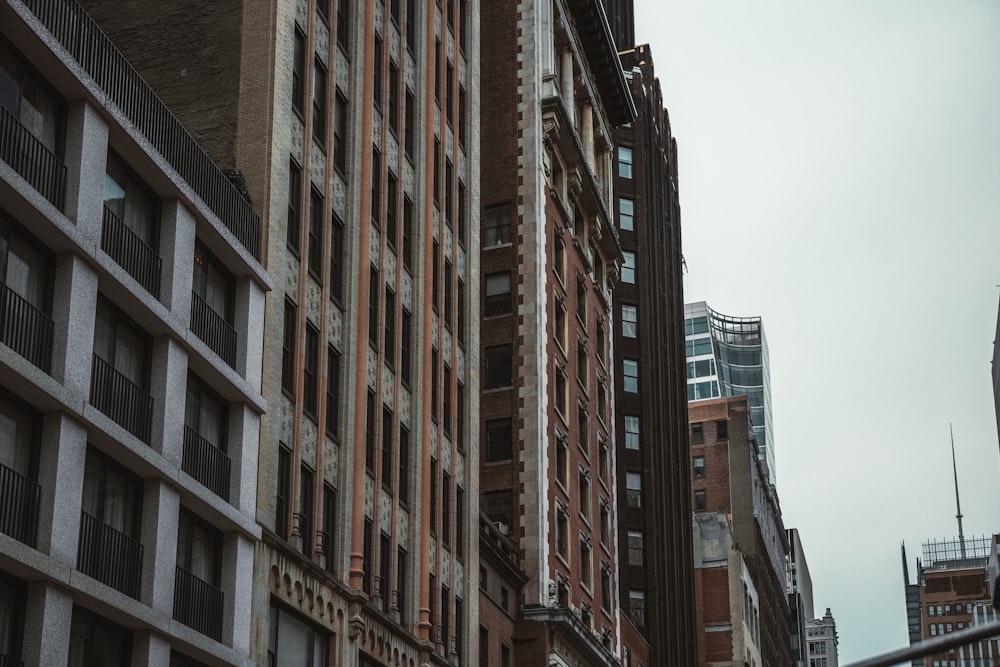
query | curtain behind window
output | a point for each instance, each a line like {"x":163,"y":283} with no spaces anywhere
{"x":15,"y":438}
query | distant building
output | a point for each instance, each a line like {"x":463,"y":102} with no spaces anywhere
{"x":727,"y":356}
{"x":800,"y":597}
{"x":821,"y":634}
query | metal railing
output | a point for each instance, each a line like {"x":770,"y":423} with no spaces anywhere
{"x":198,"y":604}
{"x":109,"y":555}
{"x":212,"y":328}
{"x":206,"y":463}
{"x":19,"y":498}
{"x":124,"y":401}
{"x":84,"y":40}
{"x":932,"y":646}
{"x":131,"y":252}
{"x":25,"y":328}
{"x":7,"y":661}
{"x":32,"y":160}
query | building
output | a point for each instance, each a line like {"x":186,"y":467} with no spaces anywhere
{"x":653,"y":463}
{"x":354,"y":127}
{"x":727,"y":356}
{"x":740,"y":542}
{"x":552,"y":93}
{"x":822,"y":638}
{"x":800,"y":596}
{"x":131,"y":304}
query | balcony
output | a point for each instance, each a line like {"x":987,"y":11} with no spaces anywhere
{"x":198,"y":604}
{"x":72,"y":27}
{"x":32,"y":160}
{"x":25,"y":329}
{"x":132,"y":254}
{"x":206,"y":463}
{"x":209,"y":326}
{"x":19,"y":497}
{"x":110,"y":556}
{"x":121,"y":399}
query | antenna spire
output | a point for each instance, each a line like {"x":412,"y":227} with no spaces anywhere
{"x":958,"y":504}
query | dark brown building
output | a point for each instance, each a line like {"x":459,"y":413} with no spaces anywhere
{"x":654,"y":525}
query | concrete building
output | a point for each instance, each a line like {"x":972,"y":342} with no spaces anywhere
{"x":740,"y":541}
{"x":727,"y":356}
{"x":552,"y":93}
{"x":800,"y":596}
{"x":355,"y":129}
{"x":131,"y":322}
{"x":821,"y":634}
{"x":654,"y":518}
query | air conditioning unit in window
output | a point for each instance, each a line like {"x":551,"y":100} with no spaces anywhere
{"x":501,"y":527}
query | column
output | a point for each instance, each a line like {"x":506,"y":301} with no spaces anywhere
{"x":86,"y":164}
{"x":160,"y":508}
{"x":566,"y":74}
{"x":61,"y":462}
{"x":587,"y":132}
{"x":149,"y":649}
{"x":237,"y":586}
{"x":168,"y":387}
{"x":177,"y":237}
{"x":74,"y":297}
{"x":244,"y":429}
{"x":249,"y":318}
{"x":48,"y":620}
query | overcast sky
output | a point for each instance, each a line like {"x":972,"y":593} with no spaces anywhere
{"x":840,"y":177}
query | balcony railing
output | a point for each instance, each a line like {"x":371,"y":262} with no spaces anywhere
{"x":25,"y":329}
{"x":18,"y":506}
{"x":131,"y":252}
{"x":32,"y":160}
{"x":206,"y":463}
{"x":7,"y":661}
{"x":84,"y":40}
{"x":109,"y":555}
{"x":121,"y":399}
{"x":198,"y":604}
{"x":209,"y":326}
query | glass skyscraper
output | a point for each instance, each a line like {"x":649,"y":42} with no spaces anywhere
{"x":727,"y":356}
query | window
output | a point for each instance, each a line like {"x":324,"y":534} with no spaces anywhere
{"x":12,"y":606}
{"x":722,"y":429}
{"x":294,"y":197}
{"x":626,"y":214}
{"x":581,"y":300}
{"x":586,"y":565}
{"x":310,"y":380}
{"x":112,"y":511}
{"x":499,"y":369}
{"x":629,"y":320}
{"x":299,"y":73}
{"x":562,"y":461}
{"x":625,"y":161}
{"x":583,"y":485}
{"x":393,"y":97}
{"x":499,"y":507}
{"x":377,"y":73}
{"x":636,"y":548}
{"x":29,"y":101}
{"x":562,"y":533}
{"x":332,"y":392}
{"x":25,"y":273}
{"x":404,"y":347}
{"x":340,"y":130}
{"x":448,"y":299}
{"x":404,"y":464}
{"x":409,"y":122}
{"x":367,"y":558}
{"x":288,"y":349}
{"x":604,"y":463}
{"x":319,"y":104}
{"x":306,"y":477}
{"x":447,"y":400}
{"x":498,"y":296}
{"x":97,"y":641}
{"x":632,"y":432}
{"x":390,"y":325}
{"x":459,"y":521}
{"x":392,"y":201}
{"x":460,"y":314}
{"x":19,"y":434}
{"x":561,"y":391}
{"x":387,"y":430}
{"x":605,"y":523}
{"x":445,"y":616}
{"x":628,"y":267}
{"x":121,"y":370}
{"x":630,"y":369}
{"x":315,"y":252}
{"x":432,"y":515}
{"x":437,"y":173}
{"x":131,"y":202}
{"x":637,"y":607}
{"x":407,"y":233}
{"x":499,"y":437}
{"x":698,"y":464}
{"x":497,"y":228}
{"x":297,"y":642}
{"x":461,"y":114}
{"x":329,"y":526}
{"x":700,"y":499}
{"x":206,"y":417}
{"x":370,"y":433}
{"x":281,"y":504}
{"x":560,"y":325}
{"x":633,"y":489}
{"x":436,"y":276}
{"x":446,"y":509}
{"x":582,"y":426}
{"x":697,"y":433}
{"x":697,"y":347}
{"x":336,"y":260}
{"x":384,"y":554}
{"x":374,"y":286}
{"x":449,"y":176}
{"x":401,"y":579}
{"x":213,"y":284}
{"x":376,"y":187}
{"x":199,"y":548}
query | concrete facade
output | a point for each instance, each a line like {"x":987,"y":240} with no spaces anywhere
{"x":821,"y":635}
{"x":108,"y":349}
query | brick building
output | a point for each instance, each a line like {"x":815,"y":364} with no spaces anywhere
{"x":131,"y":322}
{"x":553,"y":91}
{"x":654,"y":496}
{"x":740,"y":542}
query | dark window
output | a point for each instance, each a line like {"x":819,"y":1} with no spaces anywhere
{"x":213,"y":283}
{"x":332,"y":392}
{"x":460,"y":314}
{"x":337,"y":260}
{"x":484,"y":646}
{"x":437,"y":70}
{"x":447,"y":399}
{"x":449,"y":77}
{"x":449,"y":174}
{"x":288,"y":349}
{"x":323,"y":9}
{"x":310,"y":391}
{"x":384,"y":564}
{"x":435,"y":407}
{"x":459,"y":522}
{"x":498,"y":297}
{"x":437,"y":172}
{"x":290,"y":636}
{"x":393,"y":97}
{"x":633,"y":489}
{"x":436,"y":276}
{"x":284,"y":489}
{"x":401,"y":580}
{"x":497,"y":227}
{"x":329,"y":526}
{"x":447,"y":293}
{"x":368,"y":558}
{"x":499,"y":439}
{"x":722,"y":429}
{"x":445,"y":615}
{"x":390,"y":210}
{"x":700,"y":499}
{"x":697,"y":433}
{"x":432,"y":515}
{"x":459,"y":628}
{"x":461,"y":116}
{"x":205,"y":413}
{"x":294,"y":201}
{"x":636,"y":548}
{"x":319,"y":104}
{"x":411,"y":24}
{"x":199,"y":548}
{"x":340,"y":132}
{"x":316,"y":235}
{"x":404,"y":347}
{"x":637,"y":607}
{"x":26,"y":270}
{"x":30,"y":102}
{"x":370,"y":433}
{"x":387,"y":448}
{"x":407,"y":233}
{"x":376,"y":187}
{"x":129,"y":199}
{"x":299,"y":73}
{"x":12,"y":607}
{"x":499,"y":507}
{"x":377,"y":73}
{"x":699,"y":466}
{"x":390,"y":325}
{"x":404,"y":464}
{"x":460,"y":413}
{"x":409,"y":126}
{"x":97,"y":641}
{"x":394,"y":11}
{"x":499,"y":369}
{"x":374,"y":286}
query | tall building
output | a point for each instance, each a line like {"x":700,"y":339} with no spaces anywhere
{"x":552,"y":93}
{"x":131,"y":304}
{"x":727,"y":356}
{"x":740,"y":541}
{"x":800,"y":596}
{"x":355,"y":129}
{"x":654,"y":482}
{"x":823,"y":641}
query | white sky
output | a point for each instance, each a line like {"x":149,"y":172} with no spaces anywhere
{"x":840,"y":177}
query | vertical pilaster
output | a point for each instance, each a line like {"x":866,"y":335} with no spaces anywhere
{"x":237,"y":575}
{"x":244,"y":426}
{"x":149,"y":649}
{"x":61,"y":461}
{"x":168,"y":386}
{"x":160,"y":508}
{"x":249,"y":322}
{"x":48,"y":620}
{"x":86,"y":164}
{"x":73,"y":315}
{"x":177,"y":237}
